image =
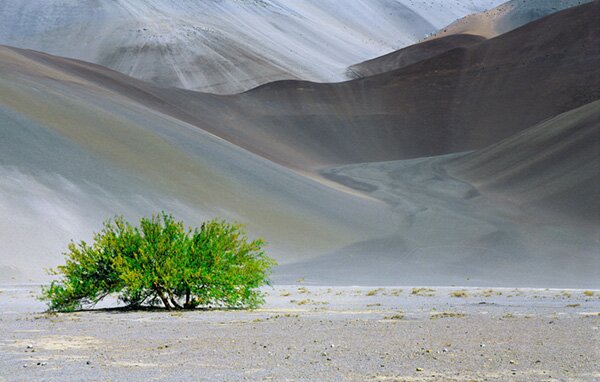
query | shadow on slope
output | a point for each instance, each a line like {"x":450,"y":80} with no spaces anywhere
{"x":553,"y":167}
{"x":412,"y":55}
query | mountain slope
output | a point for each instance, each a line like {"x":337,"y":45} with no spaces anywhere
{"x":552,"y":167}
{"x":80,"y":143}
{"x":464,"y":99}
{"x":506,"y":17}
{"x":225,"y":46}
{"x":412,"y":54}
{"x":73,"y":154}
{"x":521,"y":212}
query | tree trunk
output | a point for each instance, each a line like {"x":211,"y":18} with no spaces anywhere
{"x":188,"y":300}
{"x":164,"y":299}
{"x":174,"y":301}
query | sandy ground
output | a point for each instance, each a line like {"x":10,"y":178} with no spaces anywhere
{"x":306,"y":333}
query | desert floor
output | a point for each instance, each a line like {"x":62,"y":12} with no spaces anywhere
{"x":309,"y":333}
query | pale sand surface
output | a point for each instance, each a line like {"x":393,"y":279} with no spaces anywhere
{"x":309,"y":333}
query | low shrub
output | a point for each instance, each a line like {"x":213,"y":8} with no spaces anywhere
{"x":160,"y":262}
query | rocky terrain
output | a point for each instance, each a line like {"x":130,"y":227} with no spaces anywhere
{"x":307,"y":333}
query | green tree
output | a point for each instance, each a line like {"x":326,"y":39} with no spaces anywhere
{"x":162,"y":262}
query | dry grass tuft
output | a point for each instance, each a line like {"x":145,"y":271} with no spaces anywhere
{"x":435,"y":316}
{"x":398,"y":316}
{"x":423,"y":292}
{"x":374,"y":292}
{"x":459,"y":293}
{"x":309,"y":302}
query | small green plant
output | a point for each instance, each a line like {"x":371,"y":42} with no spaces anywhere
{"x":162,"y":262}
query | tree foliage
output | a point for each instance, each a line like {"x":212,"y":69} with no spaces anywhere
{"x":162,"y":262}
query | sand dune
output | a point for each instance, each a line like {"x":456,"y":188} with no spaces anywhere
{"x":551,"y":167}
{"x":506,"y":17}
{"x":225,"y":46}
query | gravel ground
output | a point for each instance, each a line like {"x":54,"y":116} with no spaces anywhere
{"x":306,"y":333}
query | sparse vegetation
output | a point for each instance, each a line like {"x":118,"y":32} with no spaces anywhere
{"x":423,"y":292}
{"x":308,"y":301}
{"x":398,"y":316}
{"x":588,"y":293}
{"x":490,"y":292}
{"x":459,"y":293}
{"x":435,"y":316}
{"x":374,"y":292}
{"x":565,"y":294}
{"x":160,"y":262}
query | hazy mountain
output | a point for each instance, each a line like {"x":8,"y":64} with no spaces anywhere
{"x":225,"y":46}
{"x":506,"y":17}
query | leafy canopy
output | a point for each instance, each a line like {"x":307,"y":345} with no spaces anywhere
{"x":162,"y":262}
